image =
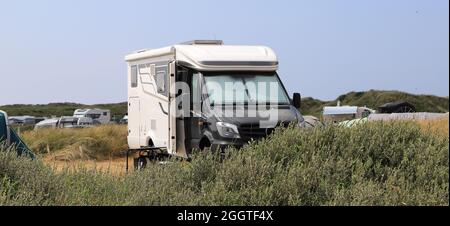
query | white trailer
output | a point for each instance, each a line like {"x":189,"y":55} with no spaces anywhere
{"x":158,"y":120}
{"x":65,"y":122}
{"x":99,"y":116}
{"x":341,"y":113}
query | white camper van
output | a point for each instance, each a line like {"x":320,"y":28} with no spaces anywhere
{"x":65,"y":122}
{"x":177,"y":97}
{"x":100,"y":116}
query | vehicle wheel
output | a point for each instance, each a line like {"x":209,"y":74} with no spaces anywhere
{"x":140,"y":163}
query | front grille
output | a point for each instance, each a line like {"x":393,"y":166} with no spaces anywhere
{"x":253,"y":131}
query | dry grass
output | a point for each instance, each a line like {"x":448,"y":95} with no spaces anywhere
{"x":436,"y":126}
{"x":100,"y":148}
{"x":97,"y":148}
{"x":114,"y":166}
{"x":96,"y":143}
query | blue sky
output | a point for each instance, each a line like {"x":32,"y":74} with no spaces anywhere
{"x":72,"y":51}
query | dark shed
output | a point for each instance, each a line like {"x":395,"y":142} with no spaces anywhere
{"x":397,"y":107}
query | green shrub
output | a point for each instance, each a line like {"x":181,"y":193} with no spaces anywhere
{"x":371,"y":164}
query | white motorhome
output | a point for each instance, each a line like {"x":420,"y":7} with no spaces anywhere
{"x":75,"y":122}
{"x":341,"y":113}
{"x":174,"y":104}
{"x":23,"y":120}
{"x":100,"y":116}
{"x":65,"y":122}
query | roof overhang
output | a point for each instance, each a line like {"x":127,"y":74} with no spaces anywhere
{"x":143,"y":54}
{"x":227,"y":57}
{"x":216,"y":57}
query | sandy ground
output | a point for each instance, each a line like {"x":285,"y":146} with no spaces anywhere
{"x":113,"y":166}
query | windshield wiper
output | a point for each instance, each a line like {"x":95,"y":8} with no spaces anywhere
{"x":251,"y":103}
{"x":225,"y":104}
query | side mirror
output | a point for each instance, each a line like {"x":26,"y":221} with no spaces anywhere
{"x":297,"y":100}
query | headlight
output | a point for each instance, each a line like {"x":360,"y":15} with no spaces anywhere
{"x":227,"y":130}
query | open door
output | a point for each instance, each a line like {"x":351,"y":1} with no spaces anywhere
{"x":134,"y":123}
{"x":172,"y":147}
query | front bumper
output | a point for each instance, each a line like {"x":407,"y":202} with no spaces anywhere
{"x":223,"y":144}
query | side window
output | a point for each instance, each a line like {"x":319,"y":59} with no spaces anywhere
{"x":161,"y":80}
{"x":134,"y":76}
{"x":145,"y":73}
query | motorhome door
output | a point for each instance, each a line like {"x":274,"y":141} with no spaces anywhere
{"x":172,"y":147}
{"x":134,"y":122}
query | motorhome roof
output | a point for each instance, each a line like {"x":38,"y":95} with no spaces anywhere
{"x":340,"y":110}
{"x":203,"y":42}
{"x":22,"y":117}
{"x":87,"y":110}
{"x":210,"y":55}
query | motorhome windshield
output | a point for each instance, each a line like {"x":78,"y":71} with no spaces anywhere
{"x":245,"y":88}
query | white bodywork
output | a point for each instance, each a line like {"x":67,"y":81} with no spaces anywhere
{"x":75,"y":122}
{"x":209,"y":57}
{"x":124,"y":120}
{"x":65,"y":122}
{"x":48,"y":123}
{"x":149,"y":105}
{"x":100,"y":116}
{"x":341,"y":113}
{"x":21,"y":119}
{"x":340,"y":110}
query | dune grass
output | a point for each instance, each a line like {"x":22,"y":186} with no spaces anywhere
{"x":436,"y":126}
{"x":109,"y":142}
{"x":97,"y":143}
{"x":395,"y":163}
